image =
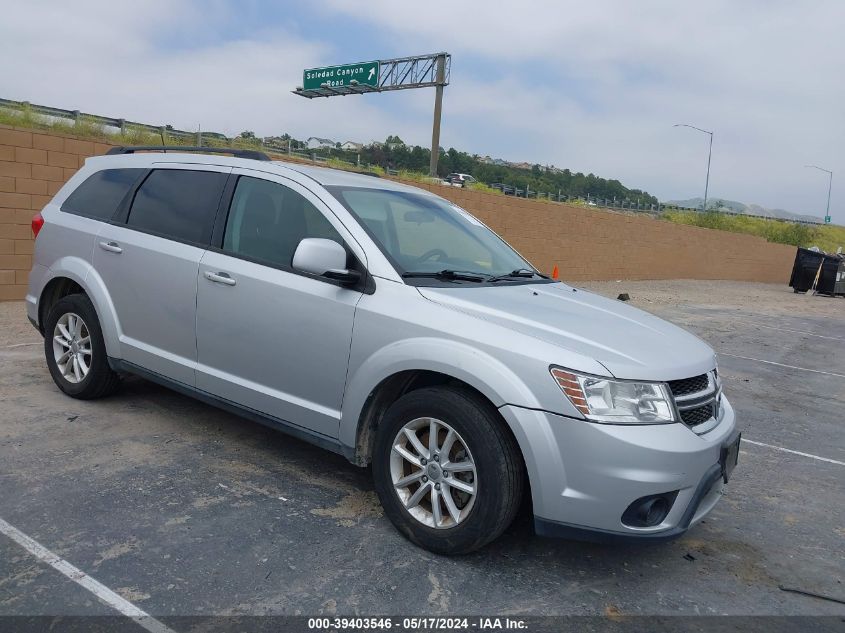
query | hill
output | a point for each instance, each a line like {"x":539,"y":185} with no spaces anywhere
{"x":720,"y":204}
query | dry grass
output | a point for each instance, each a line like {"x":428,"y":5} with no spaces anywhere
{"x":828,"y":237}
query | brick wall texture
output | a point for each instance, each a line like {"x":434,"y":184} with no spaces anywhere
{"x":33,"y":166}
{"x":586,"y":244}
{"x":589,"y":244}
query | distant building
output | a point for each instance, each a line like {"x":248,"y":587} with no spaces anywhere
{"x":316,"y":142}
{"x":351,"y":146}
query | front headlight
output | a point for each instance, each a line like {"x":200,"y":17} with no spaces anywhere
{"x":613,"y":401}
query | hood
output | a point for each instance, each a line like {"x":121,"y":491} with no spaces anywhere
{"x":629,"y":342}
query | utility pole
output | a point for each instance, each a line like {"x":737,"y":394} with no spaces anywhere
{"x":440,"y":80}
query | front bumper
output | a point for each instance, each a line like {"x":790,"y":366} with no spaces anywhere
{"x":584,"y":475}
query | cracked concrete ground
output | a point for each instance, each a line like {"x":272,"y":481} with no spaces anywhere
{"x":186,"y":510}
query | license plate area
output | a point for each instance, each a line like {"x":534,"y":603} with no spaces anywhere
{"x":729,"y":457}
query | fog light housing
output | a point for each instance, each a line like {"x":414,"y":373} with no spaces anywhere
{"x":649,"y":511}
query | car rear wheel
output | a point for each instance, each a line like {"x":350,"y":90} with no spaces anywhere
{"x":447,"y":470}
{"x":75,"y":351}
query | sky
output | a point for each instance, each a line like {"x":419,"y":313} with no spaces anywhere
{"x":591,"y":86}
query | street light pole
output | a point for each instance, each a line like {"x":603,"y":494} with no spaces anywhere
{"x":829,"y":187}
{"x":709,"y":156}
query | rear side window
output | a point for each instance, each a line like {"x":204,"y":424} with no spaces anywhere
{"x":98,"y":196}
{"x":179,"y":204}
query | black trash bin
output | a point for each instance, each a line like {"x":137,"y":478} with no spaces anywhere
{"x":839,"y":284}
{"x":806,"y":267}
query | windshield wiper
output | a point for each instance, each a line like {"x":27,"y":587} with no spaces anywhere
{"x":519,"y":273}
{"x":447,"y":273}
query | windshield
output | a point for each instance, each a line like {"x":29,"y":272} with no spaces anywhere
{"x":422,"y":234}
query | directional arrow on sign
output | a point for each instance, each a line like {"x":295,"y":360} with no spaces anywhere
{"x":372,"y":72}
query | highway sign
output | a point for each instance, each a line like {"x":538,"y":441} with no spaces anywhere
{"x":827,"y":219}
{"x":364,"y":73}
{"x":400,"y":73}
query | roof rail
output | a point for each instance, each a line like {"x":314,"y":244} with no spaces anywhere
{"x":239,"y":153}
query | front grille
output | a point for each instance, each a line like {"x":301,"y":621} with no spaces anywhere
{"x":698,"y":415}
{"x":688,"y":385}
{"x":697,"y":399}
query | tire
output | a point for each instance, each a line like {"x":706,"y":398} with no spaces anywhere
{"x":99,"y":380}
{"x":481,"y":438}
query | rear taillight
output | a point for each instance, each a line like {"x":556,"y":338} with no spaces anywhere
{"x":37,"y":223}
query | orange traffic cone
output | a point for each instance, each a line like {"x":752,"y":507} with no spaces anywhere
{"x":554,"y":272}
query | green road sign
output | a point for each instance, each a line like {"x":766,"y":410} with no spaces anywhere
{"x":365,"y":73}
{"x":827,"y":219}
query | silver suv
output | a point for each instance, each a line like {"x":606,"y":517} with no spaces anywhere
{"x":388,"y":325}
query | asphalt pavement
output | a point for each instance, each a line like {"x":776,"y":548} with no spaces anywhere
{"x":182,"y":509}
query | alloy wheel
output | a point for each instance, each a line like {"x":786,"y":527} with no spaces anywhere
{"x":72,"y":347}
{"x":433,"y":473}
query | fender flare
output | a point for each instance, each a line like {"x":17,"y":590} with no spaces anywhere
{"x":82,"y":273}
{"x":489,"y":376}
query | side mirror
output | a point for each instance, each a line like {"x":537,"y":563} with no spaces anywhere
{"x":325,"y":258}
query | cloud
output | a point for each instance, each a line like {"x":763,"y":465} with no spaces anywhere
{"x":597,"y":86}
{"x":159,"y":63}
{"x":594,"y":87}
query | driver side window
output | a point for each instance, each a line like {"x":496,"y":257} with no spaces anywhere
{"x":267,"y":221}
{"x":431,"y":236}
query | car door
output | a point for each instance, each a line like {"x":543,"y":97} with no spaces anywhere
{"x":268,"y":337}
{"x":148,"y":259}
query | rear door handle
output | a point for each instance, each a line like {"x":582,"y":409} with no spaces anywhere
{"x":111,"y":247}
{"x":220,"y":278}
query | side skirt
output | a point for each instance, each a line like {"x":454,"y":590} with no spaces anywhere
{"x":301,"y":433}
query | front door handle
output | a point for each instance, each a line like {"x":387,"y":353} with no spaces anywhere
{"x":111,"y":247}
{"x":220,"y":278}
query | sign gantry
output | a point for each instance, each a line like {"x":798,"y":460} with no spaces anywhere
{"x":402,"y":73}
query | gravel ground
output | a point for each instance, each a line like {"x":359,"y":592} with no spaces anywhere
{"x":15,"y":329}
{"x":757,"y":298}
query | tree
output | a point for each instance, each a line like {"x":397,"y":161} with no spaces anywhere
{"x":247,"y":134}
{"x":397,"y":155}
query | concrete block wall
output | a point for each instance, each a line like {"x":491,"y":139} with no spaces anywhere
{"x":33,"y":167}
{"x":597,"y":245}
{"x":585,"y":244}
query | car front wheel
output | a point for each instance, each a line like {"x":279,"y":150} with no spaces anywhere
{"x":447,"y":470}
